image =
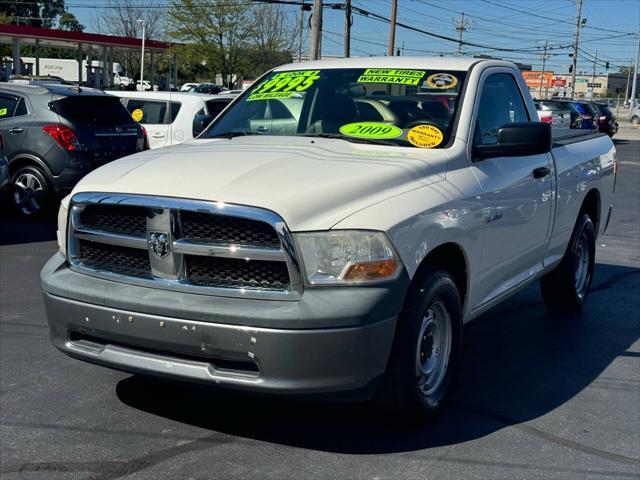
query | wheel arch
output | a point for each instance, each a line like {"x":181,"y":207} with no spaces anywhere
{"x":25,"y":160}
{"x":591,"y":205}
{"x":450,"y":257}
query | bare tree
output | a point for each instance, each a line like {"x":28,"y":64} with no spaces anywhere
{"x":120,"y":18}
{"x":274,"y":37}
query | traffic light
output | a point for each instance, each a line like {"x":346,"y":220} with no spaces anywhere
{"x":570,"y":68}
{"x":607,"y":66}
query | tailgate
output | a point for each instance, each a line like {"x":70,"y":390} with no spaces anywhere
{"x":102,"y":124}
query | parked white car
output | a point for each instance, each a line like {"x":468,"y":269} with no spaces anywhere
{"x":171,"y":118}
{"x":337,"y":249}
{"x":187,"y":86}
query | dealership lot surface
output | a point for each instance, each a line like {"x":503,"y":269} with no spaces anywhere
{"x":539,"y":397}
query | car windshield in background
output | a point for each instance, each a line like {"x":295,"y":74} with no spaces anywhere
{"x":98,"y":110}
{"x":403,"y":107}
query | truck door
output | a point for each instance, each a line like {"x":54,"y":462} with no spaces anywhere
{"x":156,"y":118}
{"x":516,"y":194}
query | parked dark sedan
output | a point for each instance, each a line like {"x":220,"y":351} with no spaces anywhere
{"x":56,"y":134}
{"x":606,"y":119}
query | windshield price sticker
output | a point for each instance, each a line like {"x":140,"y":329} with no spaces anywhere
{"x":391,"y":75}
{"x":370,"y":130}
{"x":425,"y":136}
{"x":137,"y":114}
{"x":443,"y":81}
{"x":285,"y":85}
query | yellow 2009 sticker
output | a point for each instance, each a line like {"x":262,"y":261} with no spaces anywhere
{"x":442,"y":81}
{"x":391,"y":75}
{"x":370,"y":130}
{"x":285,"y":85}
{"x":425,"y":136}
{"x":3,"y":111}
{"x":137,"y":114}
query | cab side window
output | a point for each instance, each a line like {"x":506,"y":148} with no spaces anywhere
{"x":500,"y":103}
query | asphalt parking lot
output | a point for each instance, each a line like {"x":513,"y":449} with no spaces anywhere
{"x":539,"y":396}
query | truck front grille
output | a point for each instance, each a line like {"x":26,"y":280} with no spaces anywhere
{"x":232,"y":273}
{"x":182,"y":244}
{"x":227,"y":230}
{"x":133,"y":262}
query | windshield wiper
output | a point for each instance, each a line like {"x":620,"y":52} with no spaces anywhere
{"x":230,"y":135}
{"x":350,"y":139}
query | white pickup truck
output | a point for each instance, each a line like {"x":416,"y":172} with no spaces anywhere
{"x":331,"y":232}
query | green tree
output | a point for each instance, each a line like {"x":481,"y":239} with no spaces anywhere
{"x":219,"y":33}
{"x":36,"y":13}
{"x":69,"y":22}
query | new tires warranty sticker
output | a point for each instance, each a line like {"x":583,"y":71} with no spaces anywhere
{"x":391,"y":75}
{"x":442,"y":81}
{"x":285,"y":85}
{"x":425,"y":136}
{"x":370,"y":130}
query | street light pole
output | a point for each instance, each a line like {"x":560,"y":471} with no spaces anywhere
{"x":142,"y":58}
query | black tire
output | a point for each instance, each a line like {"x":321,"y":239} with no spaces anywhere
{"x":565,"y":289}
{"x":30,"y":191}
{"x":400,"y":396}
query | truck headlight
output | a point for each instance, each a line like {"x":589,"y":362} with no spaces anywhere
{"x":63,"y":213}
{"x":342,"y":257}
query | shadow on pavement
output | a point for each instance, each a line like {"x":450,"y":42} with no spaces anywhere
{"x":15,"y":229}
{"x":521,"y":362}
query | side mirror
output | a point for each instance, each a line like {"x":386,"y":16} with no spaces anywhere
{"x":200,"y":122}
{"x":518,"y":140}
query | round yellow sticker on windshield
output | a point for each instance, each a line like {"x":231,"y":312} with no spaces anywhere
{"x":137,"y":114}
{"x":441,"y":81}
{"x":425,"y":136}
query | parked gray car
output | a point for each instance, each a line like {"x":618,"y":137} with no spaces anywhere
{"x":55,"y":134}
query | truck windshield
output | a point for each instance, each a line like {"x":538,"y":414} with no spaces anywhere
{"x":399,"y":107}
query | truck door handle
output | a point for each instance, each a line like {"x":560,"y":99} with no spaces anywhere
{"x":15,"y":131}
{"x":261,"y":129}
{"x":158,"y":135}
{"x":541,"y":172}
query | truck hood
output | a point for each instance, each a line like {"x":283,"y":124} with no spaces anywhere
{"x":312,"y":183}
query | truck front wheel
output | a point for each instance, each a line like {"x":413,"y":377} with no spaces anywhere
{"x":426,"y":350}
{"x":566,"y":287}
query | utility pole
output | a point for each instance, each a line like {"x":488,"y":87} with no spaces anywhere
{"x":595,"y":60}
{"x":392,"y":31}
{"x":576,"y":37}
{"x":626,"y":86}
{"x":461,"y":27}
{"x":316,"y":31}
{"x":635,"y":72}
{"x":544,"y":57}
{"x":347,"y":28}
{"x":301,"y":31}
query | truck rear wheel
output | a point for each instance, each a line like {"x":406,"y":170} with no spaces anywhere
{"x":566,"y":287}
{"x":425,"y":352}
